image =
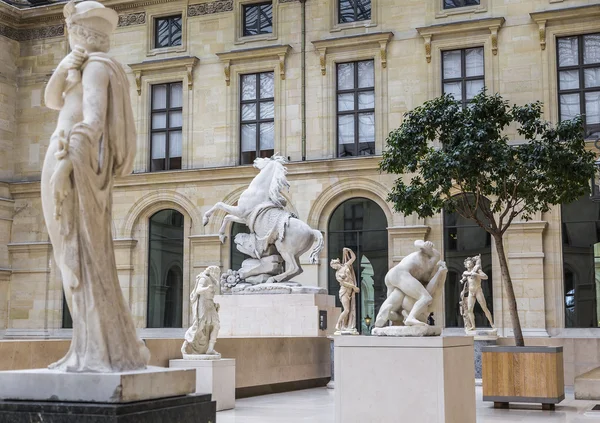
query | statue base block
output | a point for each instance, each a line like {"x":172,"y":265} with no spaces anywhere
{"x":415,"y":331}
{"x":188,"y":408}
{"x":403,"y":379}
{"x":202,"y":356}
{"x":216,"y":377}
{"x":54,"y":385}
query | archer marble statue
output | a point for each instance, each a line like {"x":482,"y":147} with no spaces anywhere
{"x":94,"y":141}
{"x":471,"y":280}
{"x":344,"y":274}
{"x":411,"y":286}
{"x":277,"y":238}
{"x":201,"y":337}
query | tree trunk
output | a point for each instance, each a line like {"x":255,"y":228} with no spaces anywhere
{"x":510,"y":292}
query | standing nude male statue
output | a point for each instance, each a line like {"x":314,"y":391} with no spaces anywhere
{"x":411,"y":285}
{"x":344,"y":274}
{"x":473,"y":277}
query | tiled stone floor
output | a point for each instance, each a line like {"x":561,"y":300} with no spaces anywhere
{"x":317,"y":406}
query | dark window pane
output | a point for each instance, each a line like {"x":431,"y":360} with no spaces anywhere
{"x":581,"y":253}
{"x":165,"y":274}
{"x":167,"y":31}
{"x":354,"y":10}
{"x":451,"y":4}
{"x":464,"y":238}
{"x":166,"y":143}
{"x":258,"y":19}
{"x":568,"y":51}
{"x":237,"y":257}
{"x":257,"y":120}
{"x":360,"y":224}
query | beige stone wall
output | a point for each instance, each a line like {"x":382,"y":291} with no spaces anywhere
{"x":516,"y":65}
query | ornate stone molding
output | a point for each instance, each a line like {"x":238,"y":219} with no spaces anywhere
{"x":490,"y":24}
{"x":210,"y":8}
{"x":567,"y":14}
{"x":357,"y":41}
{"x":186,"y":63}
{"x":26,"y":34}
{"x":278,"y":52}
{"x":131,"y":19}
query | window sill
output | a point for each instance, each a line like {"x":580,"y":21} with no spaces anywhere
{"x":253,"y":38}
{"x":166,"y":50}
{"x":444,"y":13}
{"x":351,"y":25}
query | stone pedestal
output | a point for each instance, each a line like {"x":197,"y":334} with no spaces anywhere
{"x":153,"y":395}
{"x":331,"y":383}
{"x":260,"y":315}
{"x":390,"y":379}
{"x":482,"y":340}
{"x":188,"y":408}
{"x":216,"y":377}
{"x":587,"y":385}
{"x":53,"y":385}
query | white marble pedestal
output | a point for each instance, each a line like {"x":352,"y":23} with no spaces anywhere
{"x":216,"y":377}
{"x":393,"y":379}
{"x":124,"y":387}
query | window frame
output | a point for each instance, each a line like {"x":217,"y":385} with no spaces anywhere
{"x":356,"y":111}
{"x":355,"y":8}
{"x":459,"y":7}
{"x":257,"y":101}
{"x":463,"y":79}
{"x":581,"y":90}
{"x":169,"y":18}
{"x":239,"y":9}
{"x":259,"y":5}
{"x":167,"y":129}
{"x":441,"y":12}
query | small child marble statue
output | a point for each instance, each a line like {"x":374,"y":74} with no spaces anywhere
{"x":201,"y":337}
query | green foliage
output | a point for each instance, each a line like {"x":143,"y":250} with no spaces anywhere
{"x":473,"y":155}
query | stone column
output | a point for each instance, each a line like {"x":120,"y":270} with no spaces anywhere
{"x":525,"y":251}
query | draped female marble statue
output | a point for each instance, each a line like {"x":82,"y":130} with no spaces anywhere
{"x":471,"y":278}
{"x":94,"y":141}
{"x":344,"y":274}
{"x":201,"y":337}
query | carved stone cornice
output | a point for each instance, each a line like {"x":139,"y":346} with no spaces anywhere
{"x":130,"y":19}
{"x":566,"y":14}
{"x":489,"y":24}
{"x":186,"y":63}
{"x":210,"y":8}
{"x":26,"y":34}
{"x":278,"y":52}
{"x":380,"y":39}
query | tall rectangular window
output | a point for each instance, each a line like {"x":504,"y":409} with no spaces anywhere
{"x":167,"y":31}
{"x":354,"y":10}
{"x":453,"y":4}
{"x":257,"y":116}
{"x":165,"y":127}
{"x":356,"y":108}
{"x":579,"y":80}
{"x":463,"y":74}
{"x":258,"y":19}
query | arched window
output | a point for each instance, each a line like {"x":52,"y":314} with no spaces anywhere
{"x":236,"y":256}
{"x":165,"y":277}
{"x":464,"y":238}
{"x":581,"y":263}
{"x":361,"y":225}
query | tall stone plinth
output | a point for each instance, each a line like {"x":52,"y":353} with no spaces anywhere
{"x":216,"y":377}
{"x":262,"y":315}
{"x":425,"y":380}
{"x":152,"y":395}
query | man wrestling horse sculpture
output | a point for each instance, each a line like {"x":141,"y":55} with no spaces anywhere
{"x":261,"y":207}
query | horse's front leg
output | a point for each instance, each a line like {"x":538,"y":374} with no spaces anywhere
{"x":227,"y":219}
{"x":234,"y":210}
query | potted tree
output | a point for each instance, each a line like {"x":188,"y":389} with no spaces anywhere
{"x":460,"y":159}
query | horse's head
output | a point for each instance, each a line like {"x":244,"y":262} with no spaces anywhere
{"x":260,"y":163}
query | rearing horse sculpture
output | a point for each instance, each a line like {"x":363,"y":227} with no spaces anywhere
{"x":261,"y":208}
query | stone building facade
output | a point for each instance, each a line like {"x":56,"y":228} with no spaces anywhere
{"x":510,"y":47}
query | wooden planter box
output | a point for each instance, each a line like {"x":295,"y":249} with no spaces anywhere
{"x":523,"y":374}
